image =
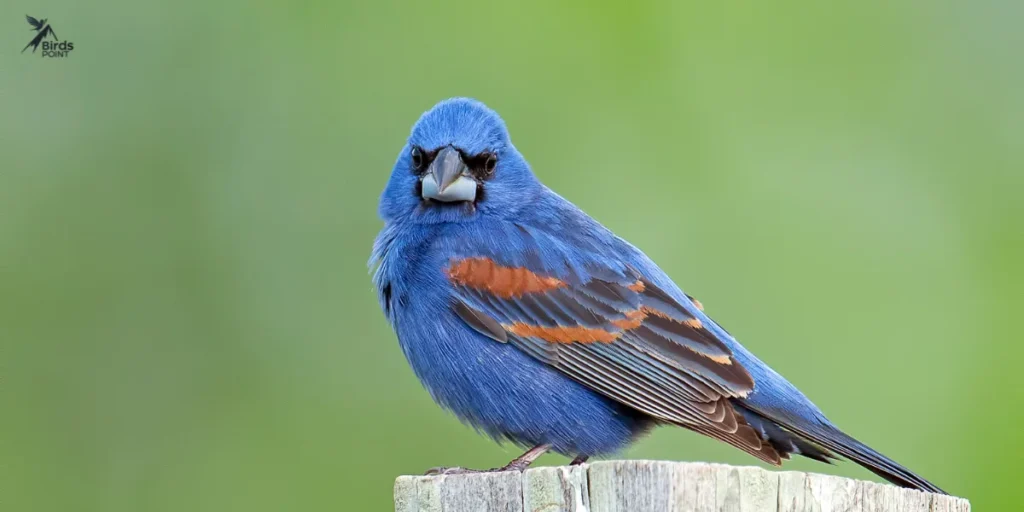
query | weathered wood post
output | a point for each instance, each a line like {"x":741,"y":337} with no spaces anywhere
{"x":658,"y":486}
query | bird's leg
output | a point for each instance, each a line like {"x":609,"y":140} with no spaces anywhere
{"x":523,"y":461}
{"x":580,"y":459}
{"x":518,"y":464}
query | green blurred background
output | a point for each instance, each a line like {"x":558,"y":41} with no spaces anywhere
{"x":187,"y":205}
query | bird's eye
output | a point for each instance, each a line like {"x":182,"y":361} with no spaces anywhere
{"x":417,"y":158}
{"x":490,"y":164}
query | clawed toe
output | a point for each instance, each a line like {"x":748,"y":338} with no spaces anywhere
{"x":456,"y":470}
{"x":519,"y":464}
{"x":438,"y":471}
{"x":515,"y":465}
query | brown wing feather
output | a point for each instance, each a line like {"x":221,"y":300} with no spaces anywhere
{"x":619,"y":335}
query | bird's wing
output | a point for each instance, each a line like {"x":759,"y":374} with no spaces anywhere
{"x":32,"y":21}
{"x":614,"y":331}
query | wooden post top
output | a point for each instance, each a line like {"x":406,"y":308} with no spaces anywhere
{"x":659,"y":486}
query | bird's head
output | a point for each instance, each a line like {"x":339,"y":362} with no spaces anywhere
{"x":458,"y":164}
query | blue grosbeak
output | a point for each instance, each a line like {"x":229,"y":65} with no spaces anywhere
{"x":534,"y":323}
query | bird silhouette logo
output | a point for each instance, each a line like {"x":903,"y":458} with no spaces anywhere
{"x":44,"y":29}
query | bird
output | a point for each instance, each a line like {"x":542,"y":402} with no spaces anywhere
{"x":43,"y":29}
{"x":36,"y":24}
{"x":536,"y":325}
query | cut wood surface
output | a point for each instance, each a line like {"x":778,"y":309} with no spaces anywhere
{"x":659,"y":486}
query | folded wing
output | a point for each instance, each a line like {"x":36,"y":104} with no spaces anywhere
{"x":618,"y":334}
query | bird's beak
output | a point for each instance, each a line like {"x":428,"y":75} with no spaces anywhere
{"x":446,"y":180}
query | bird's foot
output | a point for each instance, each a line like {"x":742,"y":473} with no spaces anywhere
{"x":580,"y":459}
{"x":455,"y":470}
{"x":518,"y":464}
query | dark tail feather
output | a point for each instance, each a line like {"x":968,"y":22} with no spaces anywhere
{"x":862,"y":454}
{"x":820,"y":441}
{"x":785,"y":443}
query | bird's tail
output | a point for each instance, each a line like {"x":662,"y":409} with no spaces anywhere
{"x":822,"y":441}
{"x":834,"y":439}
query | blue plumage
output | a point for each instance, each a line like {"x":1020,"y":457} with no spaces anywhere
{"x":494,"y":387}
{"x":533,"y":323}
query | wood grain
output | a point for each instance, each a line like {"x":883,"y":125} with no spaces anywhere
{"x":659,"y":486}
